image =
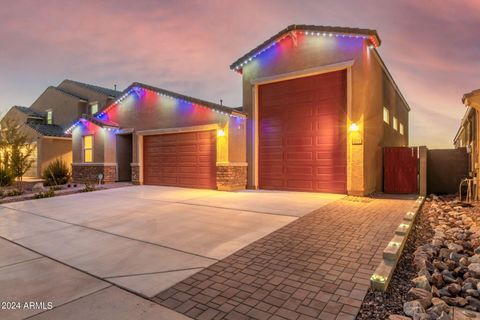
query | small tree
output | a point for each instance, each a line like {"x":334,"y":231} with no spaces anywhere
{"x":16,"y":149}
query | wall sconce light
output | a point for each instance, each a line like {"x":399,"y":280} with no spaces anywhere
{"x":356,"y":137}
{"x":354,"y":127}
{"x":220,"y":133}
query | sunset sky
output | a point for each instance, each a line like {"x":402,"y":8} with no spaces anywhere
{"x":432,"y":48}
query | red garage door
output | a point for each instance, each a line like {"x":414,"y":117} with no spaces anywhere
{"x":302,"y":134}
{"x":180,"y":159}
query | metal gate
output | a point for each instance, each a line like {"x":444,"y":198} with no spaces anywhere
{"x":400,"y":169}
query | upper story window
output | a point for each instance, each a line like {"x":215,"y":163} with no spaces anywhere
{"x":88,"y":148}
{"x":395,"y":124}
{"x":93,"y":108}
{"x":49,"y":117}
{"x":401,"y":129}
{"x":386,"y":115}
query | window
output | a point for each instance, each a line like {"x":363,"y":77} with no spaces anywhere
{"x":49,"y":117}
{"x":386,"y":115}
{"x":93,"y":108}
{"x":401,"y":129}
{"x":87,"y":148}
{"x":395,"y":124}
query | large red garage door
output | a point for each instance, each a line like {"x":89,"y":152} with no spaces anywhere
{"x":302,"y":134}
{"x":180,"y":159}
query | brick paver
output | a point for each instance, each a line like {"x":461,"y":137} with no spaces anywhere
{"x":317,"y":267}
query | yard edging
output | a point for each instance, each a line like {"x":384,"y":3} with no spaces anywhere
{"x":393,"y":251}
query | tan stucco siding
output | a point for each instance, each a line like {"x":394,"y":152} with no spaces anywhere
{"x":54,"y":148}
{"x":100,"y":139}
{"x":86,"y":93}
{"x":66,"y":108}
{"x":13,"y":115}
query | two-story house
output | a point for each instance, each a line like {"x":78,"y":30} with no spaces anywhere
{"x":52,"y":112}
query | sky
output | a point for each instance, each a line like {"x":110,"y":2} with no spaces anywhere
{"x":431,"y":48}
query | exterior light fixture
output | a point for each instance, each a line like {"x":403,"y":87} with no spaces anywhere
{"x":354,"y":127}
{"x":220,"y":133}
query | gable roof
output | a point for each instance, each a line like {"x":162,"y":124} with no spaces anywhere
{"x":136,"y":85}
{"x":330,"y":31}
{"x":51,"y":130}
{"x":105,"y":91}
{"x":29,"y":112}
{"x":67,"y":93}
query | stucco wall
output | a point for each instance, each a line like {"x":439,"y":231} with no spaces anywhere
{"x":66,"y":108}
{"x":15,"y":115}
{"x":86,"y":93}
{"x":367,"y":95}
{"x":52,"y":148}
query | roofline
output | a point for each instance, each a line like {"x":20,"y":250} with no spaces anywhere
{"x":464,"y":119}
{"x":19,"y":108}
{"x":210,"y":105}
{"x":344,"y":31}
{"x":92,"y":87}
{"x":41,"y":133}
{"x":390,"y":77}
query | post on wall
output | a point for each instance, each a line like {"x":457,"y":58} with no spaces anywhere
{"x":422,"y":188}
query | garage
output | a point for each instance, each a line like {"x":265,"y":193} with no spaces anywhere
{"x":302,"y":134}
{"x":181,"y":159}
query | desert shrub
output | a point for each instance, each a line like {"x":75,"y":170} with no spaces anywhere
{"x":56,"y":173}
{"x":45,"y":194}
{"x":12,"y":193}
{"x":6,"y":178}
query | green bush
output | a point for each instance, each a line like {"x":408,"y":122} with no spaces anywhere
{"x":56,"y":173}
{"x":47,"y":194}
{"x":6,"y":178}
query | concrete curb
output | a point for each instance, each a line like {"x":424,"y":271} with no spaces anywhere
{"x":393,"y":251}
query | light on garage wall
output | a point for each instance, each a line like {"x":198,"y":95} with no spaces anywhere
{"x":355,"y":135}
{"x":220,"y":133}
{"x":354,"y":127}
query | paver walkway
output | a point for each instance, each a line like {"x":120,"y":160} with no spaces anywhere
{"x":317,"y":267}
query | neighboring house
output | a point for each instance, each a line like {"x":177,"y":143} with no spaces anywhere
{"x":46,"y":120}
{"x":320,"y":103}
{"x":154,"y":136}
{"x":467,"y":134}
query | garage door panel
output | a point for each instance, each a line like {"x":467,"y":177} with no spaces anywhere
{"x":181,"y":159}
{"x":305,"y":149}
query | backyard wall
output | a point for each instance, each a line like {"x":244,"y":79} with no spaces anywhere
{"x":445,"y":169}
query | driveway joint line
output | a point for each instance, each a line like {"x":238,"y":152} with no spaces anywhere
{"x":20,"y":262}
{"x":68,"y":302}
{"x":117,"y":235}
{"x":156,"y":272}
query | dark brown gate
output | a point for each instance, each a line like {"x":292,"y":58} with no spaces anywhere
{"x":400,"y":169}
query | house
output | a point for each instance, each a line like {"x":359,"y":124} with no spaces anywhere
{"x":467,"y":134}
{"x":319,"y":105}
{"x":46,"y":120}
{"x":154,"y":136}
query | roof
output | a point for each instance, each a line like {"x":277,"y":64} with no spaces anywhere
{"x":372,"y":36}
{"x":29,"y":112}
{"x":67,"y":93}
{"x":106,"y":91}
{"x":100,"y":122}
{"x":211,"y":105}
{"x":465,"y":117}
{"x":51,"y":130}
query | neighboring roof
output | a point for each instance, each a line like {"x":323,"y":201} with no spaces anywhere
{"x":211,"y":105}
{"x":106,"y":91}
{"x":51,"y":130}
{"x":29,"y":112}
{"x":372,"y":35}
{"x":67,"y":93}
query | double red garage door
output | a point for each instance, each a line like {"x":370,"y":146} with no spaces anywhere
{"x":180,"y":159}
{"x":302,"y":134}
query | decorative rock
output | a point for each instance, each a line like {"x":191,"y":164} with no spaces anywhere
{"x":456,"y":302}
{"x":444,"y":316}
{"x":422,"y":283}
{"x":413,"y":307}
{"x":38,"y":187}
{"x":421,"y":295}
{"x":475,"y":303}
{"x":475,"y":268}
{"x":474,"y":259}
{"x":454,"y":288}
{"x":455,"y":247}
{"x":397,"y":317}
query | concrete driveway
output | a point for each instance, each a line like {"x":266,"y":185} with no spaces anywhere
{"x":143,"y":239}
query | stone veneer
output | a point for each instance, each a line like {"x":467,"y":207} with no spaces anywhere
{"x":82,"y":173}
{"x":231,"y":177}
{"x":135,"y":173}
